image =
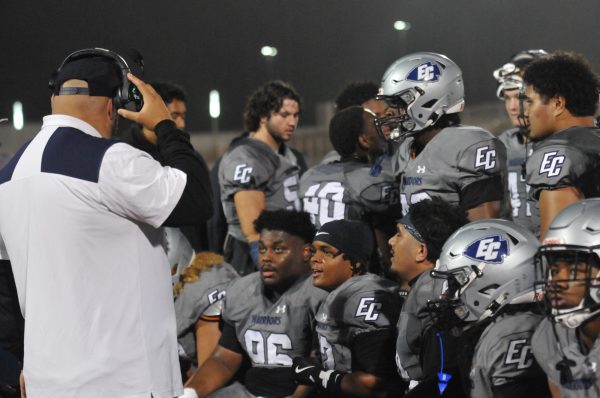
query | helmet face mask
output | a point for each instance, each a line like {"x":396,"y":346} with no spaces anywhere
{"x":421,"y":88}
{"x":486,"y":265}
{"x":570,"y":283}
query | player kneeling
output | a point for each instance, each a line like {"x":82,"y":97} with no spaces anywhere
{"x":488,"y":299}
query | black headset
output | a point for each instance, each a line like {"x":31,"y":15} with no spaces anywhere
{"x":126,"y":93}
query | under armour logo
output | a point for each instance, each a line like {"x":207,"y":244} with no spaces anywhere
{"x":241,"y":173}
{"x":491,"y":249}
{"x":486,"y":157}
{"x":368,"y":308}
{"x":420,"y":169}
{"x":552,"y":163}
{"x":280,"y":309}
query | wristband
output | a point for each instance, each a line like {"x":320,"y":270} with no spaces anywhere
{"x":189,"y":393}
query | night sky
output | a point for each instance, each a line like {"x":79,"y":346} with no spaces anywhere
{"x":322,"y":44}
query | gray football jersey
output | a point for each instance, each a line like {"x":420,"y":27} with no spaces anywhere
{"x":548,"y":352}
{"x":525,"y":211}
{"x":345,"y":190}
{"x":195,"y":298}
{"x":414,"y":320}
{"x":273,"y":333}
{"x":253,"y":165}
{"x":361,"y":304}
{"x":455,"y":158}
{"x":503,"y":353}
{"x":570,"y":157}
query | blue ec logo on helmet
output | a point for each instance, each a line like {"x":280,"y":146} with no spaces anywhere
{"x":491,"y":249}
{"x":426,"y":72}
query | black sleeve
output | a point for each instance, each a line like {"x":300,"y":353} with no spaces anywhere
{"x":229,"y":339}
{"x":216,"y":227}
{"x":13,"y":324}
{"x":373,"y":352}
{"x":524,"y":388}
{"x":176,"y":151}
{"x":482,"y":191}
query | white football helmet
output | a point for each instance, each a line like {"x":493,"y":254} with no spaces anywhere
{"x":509,"y":75}
{"x":573,"y":238}
{"x":486,"y":265}
{"x":420,"y":87}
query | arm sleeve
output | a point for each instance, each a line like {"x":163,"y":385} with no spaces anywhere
{"x":245,"y":169}
{"x":482,"y":167}
{"x":551,"y":167}
{"x":373,"y":352}
{"x":175,"y":148}
{"x":229,"y":339}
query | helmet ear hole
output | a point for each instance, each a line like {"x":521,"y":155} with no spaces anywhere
{"x":430,"y":103}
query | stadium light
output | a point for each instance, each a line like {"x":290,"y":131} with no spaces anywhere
{"x":214,"y":104}
{"x":18,"y":115}
{"x":401,"y":25}
{"x":268,"y":51}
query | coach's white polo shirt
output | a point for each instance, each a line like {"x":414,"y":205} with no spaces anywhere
{"x":78,"y":220}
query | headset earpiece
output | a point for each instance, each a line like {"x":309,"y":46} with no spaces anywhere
{"x":127,"y":93}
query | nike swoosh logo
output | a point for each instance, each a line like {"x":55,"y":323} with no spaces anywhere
{"x":322,"y":233}
{"x":300,"y":370}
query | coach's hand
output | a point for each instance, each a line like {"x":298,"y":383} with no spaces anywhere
{"x":154,"y":110}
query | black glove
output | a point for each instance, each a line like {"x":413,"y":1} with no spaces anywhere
{"x":309,"y":373}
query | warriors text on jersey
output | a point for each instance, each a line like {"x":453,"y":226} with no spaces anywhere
{"x":345,"y":190}
{"x":463,"y":165}
{"x":524,"y":210}
{"x":253,"y":165}
{"x":363,"y":306}
{"x":568,"y":158}
{"x":270,"y":330}
{"x":585,"y":382}
{"x":503,"y":354}
{"x":194,"y":300}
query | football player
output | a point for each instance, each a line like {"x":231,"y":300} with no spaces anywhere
{"x":488,"y":300}
{"x":259,"y":172}
{"x":515,"y":139}
{"x":357,"y":93}
{"x":437,"y":156}
{"x":346,"y":189}
{"x":356,"y":322}
{"x":268,"y":316}
{"x":566,"y":343}
{"x":198,"y":303}
{"x":415,"y":247}
{"x":561,"y":97}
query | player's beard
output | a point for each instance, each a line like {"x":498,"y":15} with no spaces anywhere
{"x":276,"y":134}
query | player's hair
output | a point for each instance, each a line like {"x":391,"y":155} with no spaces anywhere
{"x":568,"y":75}
{"x":436,"y":220}
{"x":293,"y":222}
{"x":201,"y":262}
{"x":356,"y":93}
{"x":267,"y":99}
{"x":169,"y":91}
{"x":344,"y":129}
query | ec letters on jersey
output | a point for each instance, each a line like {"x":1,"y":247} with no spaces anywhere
{"x":519,"y":354}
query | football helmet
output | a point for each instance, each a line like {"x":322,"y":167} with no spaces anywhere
{"x":509,"y":74}
{"x":419,"y":88}
{"x":485,"y":265}
{"x":573,"y":239}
